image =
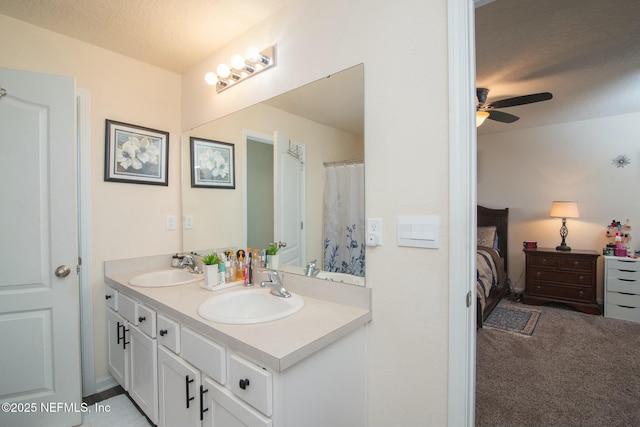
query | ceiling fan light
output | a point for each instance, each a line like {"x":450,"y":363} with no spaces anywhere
{"x":481,"y":116}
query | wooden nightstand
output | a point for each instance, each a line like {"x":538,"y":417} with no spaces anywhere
{"x":564,"y":277}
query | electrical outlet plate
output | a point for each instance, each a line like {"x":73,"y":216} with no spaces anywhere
{"x":374,"y":232}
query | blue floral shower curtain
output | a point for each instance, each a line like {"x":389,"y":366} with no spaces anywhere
{"x":344,"y":244}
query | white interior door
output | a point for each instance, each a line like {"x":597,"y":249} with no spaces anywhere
{"x":289,"y":200}
{"x":39,"y":304}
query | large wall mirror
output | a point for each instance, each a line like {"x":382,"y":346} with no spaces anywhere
{"x":299,"y":178}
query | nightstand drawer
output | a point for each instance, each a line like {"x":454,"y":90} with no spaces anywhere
{"x":559,"y":292}
{"x":623,"y":313}
{"x":559,"y":277}
{"x":627,"y":300}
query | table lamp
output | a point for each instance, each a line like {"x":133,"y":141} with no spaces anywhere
{"x":564,"y":210}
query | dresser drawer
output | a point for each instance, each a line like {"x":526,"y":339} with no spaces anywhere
{"x":147,"y":320}
{"x":204,"y":354}
{"x":559,"y":292}
{"x":128,"y":308}
{"x":623,"y":273}
{"x":627,"y":300}
{"x":543,"y":261}
{"x":623,"y":264}
{"x":169,"y":333}
{"x":623,"y":285}
{"x":555,"y":276}
{"x":623,"y":313}
{"x":252,"y":384}
{"x":576,"y":264}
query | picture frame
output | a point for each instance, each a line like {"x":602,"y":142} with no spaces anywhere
{"x":136,"y":154}
{"x":212,"y":164}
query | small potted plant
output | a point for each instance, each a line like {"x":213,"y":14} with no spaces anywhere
{"x":273,"y":258}
{"x":211,"y":263}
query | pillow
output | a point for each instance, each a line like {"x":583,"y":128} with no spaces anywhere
{"x":487,"y":236}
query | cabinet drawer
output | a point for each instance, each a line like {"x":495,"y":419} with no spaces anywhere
{"x":225,"y":409}
{"x":576,"y":264}
{"x":623,"y":264}
{"x":128,"y":308}
{"x":252,"y":384}
{"x":623,"y":285}
{"x":204,"y":354}
{"x":147,"y":320}
{"x":623,"y":273}
{"x":543,"y":261}
{"x":623,"y":313}
{"x":627,"y":300}
{"x":111,"y":295}
{"x":552,"y":276}
{"x":560,"y":292}
{"x":169,"y":333}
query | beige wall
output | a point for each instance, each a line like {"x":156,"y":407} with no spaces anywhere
{"x":127,"y":220}
{"x":406,"y":147}
{"x":527,"y":170}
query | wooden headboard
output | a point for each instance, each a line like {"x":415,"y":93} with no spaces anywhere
{"x":499,"y":218}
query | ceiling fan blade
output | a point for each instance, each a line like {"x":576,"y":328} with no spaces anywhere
{"x":503,"y":117}
{"x":521,"y":100}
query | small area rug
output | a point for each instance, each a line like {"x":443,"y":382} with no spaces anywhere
{"x":117,"y":411}
{"x":513,"y":318}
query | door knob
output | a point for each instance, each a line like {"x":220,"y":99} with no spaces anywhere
{"x":63,"y":271}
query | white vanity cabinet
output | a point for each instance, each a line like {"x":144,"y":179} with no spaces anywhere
{"x":133,"y":350}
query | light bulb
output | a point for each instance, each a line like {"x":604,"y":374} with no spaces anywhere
{"x":237,"y":62}
{"x":481,"y":116}
{"x":253,"y":54}
{"x":211,"y":78}
{"x":223,"y":70}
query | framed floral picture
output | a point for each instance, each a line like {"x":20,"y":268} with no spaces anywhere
{"x":212,"y":164}
{"x":136,"y":154}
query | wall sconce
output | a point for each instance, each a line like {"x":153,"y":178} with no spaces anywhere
{"x":564,"y":210}
{"x":241,"y":68}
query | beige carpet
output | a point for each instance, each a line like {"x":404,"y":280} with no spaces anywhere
{"x":576,"y":370}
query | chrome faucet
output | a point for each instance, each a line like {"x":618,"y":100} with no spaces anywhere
{"x":275,"y":283}
{"x":311,"y":269}
{"x":189,"y":263}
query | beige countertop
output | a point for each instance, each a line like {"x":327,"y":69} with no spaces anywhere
{"x":330,"y":312}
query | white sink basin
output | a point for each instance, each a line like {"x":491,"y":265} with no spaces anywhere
{"x":162,"y":278}
{"x":249,"y":306}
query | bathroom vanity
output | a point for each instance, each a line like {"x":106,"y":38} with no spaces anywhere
{"x":306,"y":369}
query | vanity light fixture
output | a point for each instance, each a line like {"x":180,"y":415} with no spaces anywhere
{"x":242,"y":67}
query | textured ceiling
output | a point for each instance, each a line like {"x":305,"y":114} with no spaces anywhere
{"x":171,"y":34}
{"x":585,"y":52}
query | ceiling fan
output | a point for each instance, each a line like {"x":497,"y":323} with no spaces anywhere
{"x":489,"y":110}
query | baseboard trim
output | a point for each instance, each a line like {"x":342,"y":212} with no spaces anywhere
{"x":105,"y":383}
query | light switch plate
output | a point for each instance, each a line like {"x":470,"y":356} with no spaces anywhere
{"x":171,"y":222}
{"x":419,"y":231}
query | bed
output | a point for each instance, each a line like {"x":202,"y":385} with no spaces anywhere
{"x":492,"y":282}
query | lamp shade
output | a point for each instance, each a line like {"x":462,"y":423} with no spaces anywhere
{"x":481,"y":116}
{"x":564,"y":210}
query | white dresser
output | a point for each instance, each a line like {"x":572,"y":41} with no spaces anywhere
{"x":622,"y":288}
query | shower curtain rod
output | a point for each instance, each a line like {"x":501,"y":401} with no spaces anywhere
{"x":343,"y":162}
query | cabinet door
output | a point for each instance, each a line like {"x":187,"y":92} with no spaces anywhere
{"x":223,"y":409}
{"x":118,"y":348}
{"x":178,"y":387}
{"x":144,"y":370}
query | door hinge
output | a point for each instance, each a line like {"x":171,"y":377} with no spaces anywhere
{"x":468,"y":299}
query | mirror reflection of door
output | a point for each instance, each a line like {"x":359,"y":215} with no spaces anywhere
{"x":260,"y":217}
{"x":275,"y":196}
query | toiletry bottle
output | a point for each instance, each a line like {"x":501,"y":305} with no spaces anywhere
{"x":240,"y":269}
{"x":227,"y":271}
{"x":223,"y":274}
{"x":249,"y":275}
